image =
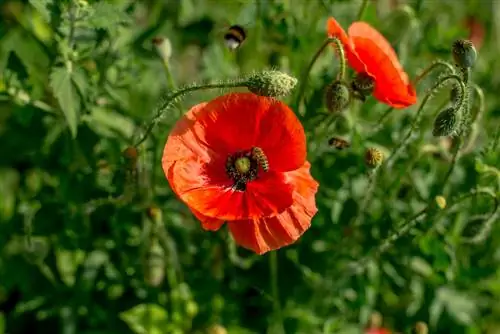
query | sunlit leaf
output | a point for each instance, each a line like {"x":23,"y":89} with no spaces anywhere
{"x":43,"y":7}
{"x":146,"y":319}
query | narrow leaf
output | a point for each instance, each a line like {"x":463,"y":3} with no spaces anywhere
{"x":65,"y":92}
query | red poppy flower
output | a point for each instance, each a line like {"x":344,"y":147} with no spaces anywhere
{"x":368,"y":52}
{"x":476,"y":31}
{"x":210,"y":162}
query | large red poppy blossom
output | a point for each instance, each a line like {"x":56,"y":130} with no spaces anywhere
{"x":210,"y":164}
{"x":368,"y":52}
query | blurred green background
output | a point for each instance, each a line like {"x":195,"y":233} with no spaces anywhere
{"x":78,"y":77}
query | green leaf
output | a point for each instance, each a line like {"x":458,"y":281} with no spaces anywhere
{"x":42,"y":6}
{"x":105,"y":15}
{"x":67,"y":263}
{"x":64,"y":90}
{"x":2,"y":323}
{"x":146,"y":319}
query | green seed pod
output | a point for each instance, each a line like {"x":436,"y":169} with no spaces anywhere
{"x":374,"y":157}
{"x":363,"y":84}
{"x":337,"y":96}
{"x":464,"y":53}
{"x":271,"y":83}
{"x":445,"y":123}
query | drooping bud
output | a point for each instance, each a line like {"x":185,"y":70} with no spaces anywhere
{"x":464,"y":53}
{"x":271,"y":83}
{"x":420,"y":328}
{"x":337,"y":96}
{"x":455,"y":94}
{"x":445,"y":123}
{"x":440,"y":201}
{"x":163,"y":47}
{"x":374,"y":157}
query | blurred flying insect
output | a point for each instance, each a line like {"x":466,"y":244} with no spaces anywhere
{"x":235,"y":36}
{"x":339,"y":143}
{"x":261,"y":158}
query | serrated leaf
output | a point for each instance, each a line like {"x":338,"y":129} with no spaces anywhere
{"x":146,"y":319}
{"x":65,"y":92}
{"x":104,"y":15}
{"x":42,"y":6}
{"x":80,"y":81}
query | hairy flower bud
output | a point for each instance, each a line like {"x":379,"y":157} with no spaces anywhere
{"x":374,"y":157}
{"x":154,"y":264}
{"x":445,"y":123}
{"x":420,"y":328}
{"x":271,"y":83}
{"x":337,"y":96}
{"x":464,"y":53}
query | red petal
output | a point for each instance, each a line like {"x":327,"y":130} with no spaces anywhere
{"x":334,"y":29}
{"x":265,"y":234}
{"x":208,"y":223}
{"x":206,"y":189}
{"x":392,"y":85}
{"x":239,"y":121}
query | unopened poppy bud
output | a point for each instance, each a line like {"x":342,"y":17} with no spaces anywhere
{"x":271,"y":83}
{"x":337,"y":96}
{"x":440,"y":201}
{"x":420,"y":328}
{"x":464,"y":53}
{"x":445,"y":123}
{"x":455,"y":94}
{"x":163,"y":47}
{"x":374,"y":157}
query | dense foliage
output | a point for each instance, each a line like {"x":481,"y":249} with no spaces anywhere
{"x":92,"y":239}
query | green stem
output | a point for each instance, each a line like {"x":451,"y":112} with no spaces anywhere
{"x":432,"y":67}
{"x":372,"y":181}
{"x":273,"y":267}
{"x":362,"y":10}
{"x":342,"y":66}
{"x":171,"y":98}
{"x":416,"y":120}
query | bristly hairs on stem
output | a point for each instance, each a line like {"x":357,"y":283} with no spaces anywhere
{"x":339,"y":49}
{"x":475,"y":118}
{"x":438,"y":63}
{"x":171,"y":98}
{"x":416,"y":120}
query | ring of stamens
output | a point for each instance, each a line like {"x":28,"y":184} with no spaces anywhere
{"x":242,"y":167}
{"x":363,"y":84}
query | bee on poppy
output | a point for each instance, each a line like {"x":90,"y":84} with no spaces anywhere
{"x":338,"y":143}
{"x":259,"y":155}
{"x":235,"y":36}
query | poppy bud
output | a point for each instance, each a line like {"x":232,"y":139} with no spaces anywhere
{"x":373,"y":157}
{"x":154,"y":213}
{"x":163,"y":47}
{"x":271,"y":83}
{"x":464,"y":53}
{"x":455,"y":94}
{"x":440,"y":201}
{"x":337,"y":96}
{"x":445,"y":123}
{"x":375,"y":320}
{"x":420,"y":328}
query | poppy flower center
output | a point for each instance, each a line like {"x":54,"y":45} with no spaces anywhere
{"x":363,"y":85}
{"x":243,"y":166}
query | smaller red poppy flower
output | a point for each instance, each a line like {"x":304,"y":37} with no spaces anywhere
{"x":476,"y":31}
{"x":241,"y":159}
{"x":372,"y":56}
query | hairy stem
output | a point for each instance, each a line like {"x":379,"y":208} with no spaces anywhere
{"x":432,"y":67}
{"x":273,"y":267}
{"x":339,"y":48}
{"x":362,"y":10}
{"x":171,"y":98}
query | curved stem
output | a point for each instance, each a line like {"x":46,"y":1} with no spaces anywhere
{"x":372,"y":181}
{"x":417,"y":117}
{"x":342,"y":69}
{"x":171,"y":98}
{"x":432,"y":67}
